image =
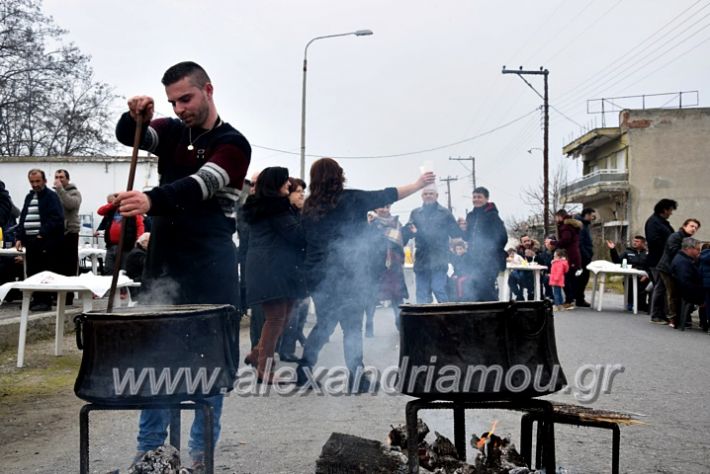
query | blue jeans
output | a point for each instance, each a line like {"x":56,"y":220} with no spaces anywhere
{"x":557,"y":295}
{"x":428,"y":282}
{"x":153,"y":428}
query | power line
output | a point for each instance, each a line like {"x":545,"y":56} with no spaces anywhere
{"x":581,"y":33}
{"x":657,"y":56}
{"x":417,"y":152}
{"x":671,"y":61}
{"x":567,"y":25}
{"x":551,"y":106}
{"x":541,"y":25}
{"x":624,"y":57}
{"x":594,"y":83}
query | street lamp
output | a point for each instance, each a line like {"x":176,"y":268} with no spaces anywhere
{"x":303,"y":94}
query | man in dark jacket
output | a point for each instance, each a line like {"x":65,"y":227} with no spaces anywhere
{"x":568,"y":229}
{"x":635,"y":256}
{"x":586,"y":250}
{"x":41,"y":231}
{"x":673,"y":245}
{"x":657,"y":230}
{"x":9,"y":268}
{"x":684,"y":270}
{"x":486,"y":237}
{"x":431,"y":226}
{"x":7,"y":209}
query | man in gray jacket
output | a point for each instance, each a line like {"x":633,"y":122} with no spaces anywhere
{"x":70,"y":197}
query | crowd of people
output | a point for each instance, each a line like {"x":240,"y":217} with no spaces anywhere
{"x":47,"y":228}
{"x":340,"y":248}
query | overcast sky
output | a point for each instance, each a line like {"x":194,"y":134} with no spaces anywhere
{"x":429,"y":76}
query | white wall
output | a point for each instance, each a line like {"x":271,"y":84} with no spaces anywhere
{"x":95,"y":177}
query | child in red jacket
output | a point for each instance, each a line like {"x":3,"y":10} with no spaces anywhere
{"x":558,"y":269}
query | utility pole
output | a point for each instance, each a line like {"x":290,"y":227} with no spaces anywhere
{"x":473,"y":168}
{"x":546,"y":137}
{"x":448,"y":180}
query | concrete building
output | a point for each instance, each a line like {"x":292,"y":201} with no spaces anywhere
{"x":652,"y":154}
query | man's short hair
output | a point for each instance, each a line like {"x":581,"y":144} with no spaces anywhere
{"x":665,"y":204}
{"x":482,"y":190}
{"x":562,"y":213}
{"x":640,"y":237}
{"x":198,"y":76}
{"x":587,"y":211}
{"x":689,"y":243}
{"x":36,"y":171}
{"x":692,"y":219}
{"x":66,"y":173}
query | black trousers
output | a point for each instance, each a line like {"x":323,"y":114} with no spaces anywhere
{"x":570,"y":285}
{"x":68,"y":260}
{"x":581,"y":284}
{"x":42,"y":255}
{"x":334,"y":308}
{"x":294,"y":329}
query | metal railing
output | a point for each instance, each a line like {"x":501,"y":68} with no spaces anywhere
{"x":599,"y":177}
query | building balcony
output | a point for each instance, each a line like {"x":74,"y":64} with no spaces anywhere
{"x":594,"y":185}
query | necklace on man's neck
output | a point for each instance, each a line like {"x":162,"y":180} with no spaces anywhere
{"x":191,"y":147}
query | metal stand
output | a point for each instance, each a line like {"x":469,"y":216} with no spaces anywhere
{"x":562,"y":418}
{"x":175,"y":409}
{"x":542,"y":409}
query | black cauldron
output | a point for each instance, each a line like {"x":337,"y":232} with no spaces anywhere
{"x":479,"y":351}
{"x":157,"y":354}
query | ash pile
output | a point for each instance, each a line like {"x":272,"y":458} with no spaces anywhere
{"x":164,"y":460}
{"x":352,"y":454}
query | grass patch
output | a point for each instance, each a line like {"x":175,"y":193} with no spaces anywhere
{"x":51,"y":375}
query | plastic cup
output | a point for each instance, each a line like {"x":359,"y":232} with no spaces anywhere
{"x":425,"y":167}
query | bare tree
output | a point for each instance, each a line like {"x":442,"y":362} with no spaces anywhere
{"x":50,"y":103}
{"x":533,"y":196}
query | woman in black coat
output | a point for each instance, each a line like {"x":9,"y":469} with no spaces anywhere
{"x":337,"y":253}
{"x":272,"y":264}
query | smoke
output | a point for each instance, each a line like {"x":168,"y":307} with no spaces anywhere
{"x":159,"y":291}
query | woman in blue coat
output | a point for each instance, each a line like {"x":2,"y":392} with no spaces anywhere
{"x":273,"y":259}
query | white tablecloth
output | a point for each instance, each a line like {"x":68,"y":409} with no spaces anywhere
{"x":531,"y":267}
{"x":601,"y":268}
{"x":85,"y":284}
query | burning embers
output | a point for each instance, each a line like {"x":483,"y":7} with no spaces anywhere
{"x":482,"y":441}
{"x":494,"y":455}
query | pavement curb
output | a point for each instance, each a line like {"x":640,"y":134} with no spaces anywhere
{"x":39,"y":326}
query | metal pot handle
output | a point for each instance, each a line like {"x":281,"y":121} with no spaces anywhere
{"x":78,"y":325}
{"x":547,"y":306}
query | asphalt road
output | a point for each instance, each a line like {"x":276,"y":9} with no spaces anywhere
{"x":664,"y":381}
